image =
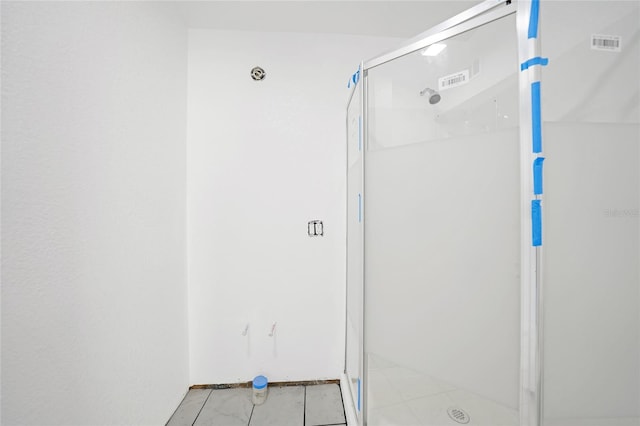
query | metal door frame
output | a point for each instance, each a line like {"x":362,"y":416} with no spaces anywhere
{"x":527,"y":29}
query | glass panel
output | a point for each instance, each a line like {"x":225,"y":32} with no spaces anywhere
{"x":442,"y":236}
{"x":354,"y":247}
{"x":591,"y":281}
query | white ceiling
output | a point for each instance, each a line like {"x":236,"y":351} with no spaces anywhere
{"x":372,"y":18}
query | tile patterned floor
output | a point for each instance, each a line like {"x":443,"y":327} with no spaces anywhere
{"x":313,"y":405}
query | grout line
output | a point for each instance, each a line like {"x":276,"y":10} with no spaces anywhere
{"x":253,"y":407}
{"x":304,"y":408}
{"x":344,"y":412}
{"x":205,"y":403}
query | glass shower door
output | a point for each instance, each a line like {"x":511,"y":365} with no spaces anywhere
{"x":442,"y":233}
{"x":354,"y":342}
{"x":591,"y":279}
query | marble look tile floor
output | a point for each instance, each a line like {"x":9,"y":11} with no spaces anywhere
{"x":312,"y":405}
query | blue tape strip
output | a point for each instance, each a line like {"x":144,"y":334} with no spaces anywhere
{"x":538,"y":60}
{"x":536,"y":223}
{"x":359,"y":208}
{"x":533,"y":19}
{"x":354,"y":78}
{"x":537,"y":175}
{"x":359,"y":133}
{"x":536,"y":119}
{"x":358,"y":393}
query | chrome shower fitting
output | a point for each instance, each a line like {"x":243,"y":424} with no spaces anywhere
{"x":434,"y":97}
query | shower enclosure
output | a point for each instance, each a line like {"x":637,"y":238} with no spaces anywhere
{"x":492,"y":221}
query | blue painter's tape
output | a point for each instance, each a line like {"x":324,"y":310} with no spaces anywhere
{"x":536,"y":118}
{"x":358,"y":393}
{"x":536,"y":223}
{"x":538,"y":60}
{"x":533,"y":19}
{"x":359,"y":208}
{"x":354,"y":78}
{"x":359,"y":133}
{"x":537,"y":175}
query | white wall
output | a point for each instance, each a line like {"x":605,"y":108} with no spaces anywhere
{"x":94,"y":322}
{"x":263,"y":159}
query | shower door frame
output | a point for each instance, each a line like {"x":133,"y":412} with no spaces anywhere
{"x":530,"y":405}
{"x":355,"y":395}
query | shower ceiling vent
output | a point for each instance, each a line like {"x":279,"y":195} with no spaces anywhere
{"x":459,"y":415}
{"x":258,"y":73}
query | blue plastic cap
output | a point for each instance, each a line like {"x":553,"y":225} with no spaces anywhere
{"x":260,"y":382}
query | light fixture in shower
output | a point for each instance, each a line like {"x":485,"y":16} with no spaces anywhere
{"x":434,"y":49}
{"x":434,"y":97}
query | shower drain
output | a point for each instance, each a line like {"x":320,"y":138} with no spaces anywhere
{"x":459,"y":415}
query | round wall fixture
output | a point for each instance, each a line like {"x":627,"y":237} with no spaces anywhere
{"x":258,"y":74}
